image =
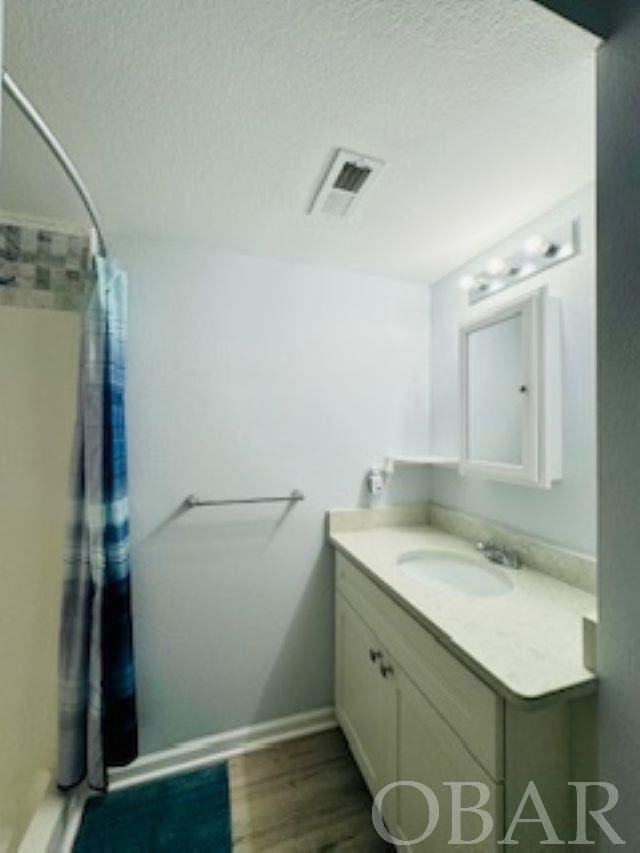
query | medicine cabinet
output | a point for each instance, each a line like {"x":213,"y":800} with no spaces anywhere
{"x":511,"y":392}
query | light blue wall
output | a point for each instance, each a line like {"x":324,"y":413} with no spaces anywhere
{"x":566,"y":514}
{"x":248,"y":377}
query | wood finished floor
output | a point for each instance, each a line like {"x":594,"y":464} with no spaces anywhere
{"x":303,"y":795}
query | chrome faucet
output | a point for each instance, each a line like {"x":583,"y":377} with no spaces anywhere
{"x":498,"y":554}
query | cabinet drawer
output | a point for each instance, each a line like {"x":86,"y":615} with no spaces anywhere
{"x":466,"y":703}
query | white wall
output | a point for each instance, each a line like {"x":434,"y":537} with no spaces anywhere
{"x":567,"y":513}
{"x":248,"y":377}
{"x":38,"y":369}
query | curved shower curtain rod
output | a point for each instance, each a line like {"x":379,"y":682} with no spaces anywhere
{"x":29,"y":111}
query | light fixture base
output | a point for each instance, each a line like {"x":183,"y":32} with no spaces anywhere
{"x":563,"y":242}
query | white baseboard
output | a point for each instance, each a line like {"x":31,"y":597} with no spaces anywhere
{"x":55,"y":823}
{"x":212,"y":749}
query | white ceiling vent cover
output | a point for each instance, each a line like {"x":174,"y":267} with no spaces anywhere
{"x":344,"y":184}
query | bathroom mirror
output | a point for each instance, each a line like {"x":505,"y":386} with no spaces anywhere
{"x":497,"y":420}
{"x":510,"y":388}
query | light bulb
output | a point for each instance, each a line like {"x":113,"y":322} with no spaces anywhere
{"x":468,"y":282}
{"x":537,"y":246}
{"x":497,"y":267}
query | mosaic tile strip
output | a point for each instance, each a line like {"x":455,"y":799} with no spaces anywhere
{"x":42,"y":268}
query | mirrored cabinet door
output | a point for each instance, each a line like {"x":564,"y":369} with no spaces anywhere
{"x":509,"y":398}
{"x":496,"y":420}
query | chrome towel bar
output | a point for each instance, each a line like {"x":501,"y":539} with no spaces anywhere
{"x":296,"y":495}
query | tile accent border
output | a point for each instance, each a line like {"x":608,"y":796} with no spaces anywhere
{"x":48,"y":263}
{"x":571,"y":567}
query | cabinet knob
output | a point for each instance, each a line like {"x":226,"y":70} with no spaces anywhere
{"x":523,"y":389}
{"x":374,"y":655}
{"x":386,"y":669}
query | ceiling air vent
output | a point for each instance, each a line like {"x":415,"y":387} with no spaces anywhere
{"x":343,"y":185}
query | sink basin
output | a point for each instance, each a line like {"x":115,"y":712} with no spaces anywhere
{"x":449,"y":571}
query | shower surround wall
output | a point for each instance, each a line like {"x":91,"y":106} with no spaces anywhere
{"x":253,"y":377}
{"x":39,"y":341}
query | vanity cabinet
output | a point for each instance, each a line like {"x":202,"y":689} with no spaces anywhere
{"x":428,"y":751}
{"x":395,"y":733}
{"x":368,"y":704}
{"x":411,"y":710}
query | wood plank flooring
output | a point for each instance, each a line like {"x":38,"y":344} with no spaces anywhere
{"x":301,"y":796}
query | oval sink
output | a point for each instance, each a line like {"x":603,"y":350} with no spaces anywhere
{"x":448,"y":571}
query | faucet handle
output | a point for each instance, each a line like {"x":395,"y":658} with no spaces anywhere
{"x":513,"y":558}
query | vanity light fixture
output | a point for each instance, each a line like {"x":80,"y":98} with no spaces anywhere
{"x":480,"y":282}
{"x":498,"y":267}
{"x":468,"y":282}
{"x":537,"y":246}
{"x":535,"y":254}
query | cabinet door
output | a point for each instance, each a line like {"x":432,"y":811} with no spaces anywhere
{"x":365,"y":699}
{"x":430,"y":753}
{"x":510,"y":404}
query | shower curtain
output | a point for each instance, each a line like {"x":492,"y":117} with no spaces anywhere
{"x":97,"y":705}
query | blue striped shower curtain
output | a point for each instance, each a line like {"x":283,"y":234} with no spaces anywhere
{"x":97,"y":707}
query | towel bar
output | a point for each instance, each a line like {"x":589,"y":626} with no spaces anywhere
{"x":296,"y":495}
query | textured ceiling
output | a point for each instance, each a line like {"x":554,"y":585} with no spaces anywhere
{"x":214,"y":119}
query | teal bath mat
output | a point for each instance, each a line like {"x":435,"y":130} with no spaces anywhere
{"x":190,"y":812}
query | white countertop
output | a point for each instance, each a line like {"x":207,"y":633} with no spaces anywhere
{"x":526,"y":644}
